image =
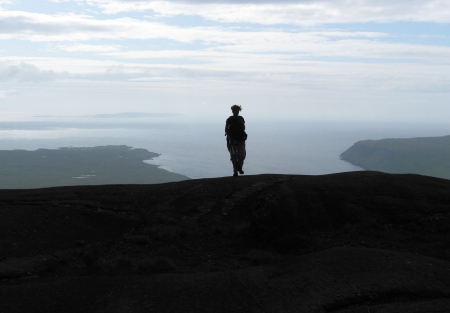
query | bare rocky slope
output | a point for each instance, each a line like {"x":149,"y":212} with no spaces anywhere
{"x":348,"y":242}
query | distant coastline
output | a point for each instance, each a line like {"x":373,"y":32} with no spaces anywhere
{"x":133,"y":115}
{"x":428,"y":156}
{"x":121,"y":115}
{"x":71,"y":166}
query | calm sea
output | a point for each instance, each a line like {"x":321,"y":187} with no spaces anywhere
{"x":198,"y":149}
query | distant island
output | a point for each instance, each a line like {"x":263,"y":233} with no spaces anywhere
{"x":120,"y":115}
{"x":71,"y":166}
{"x":426,"y":156}
{"x":133,"y":115}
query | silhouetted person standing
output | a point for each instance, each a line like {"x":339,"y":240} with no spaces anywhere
{"x":236,"y":136}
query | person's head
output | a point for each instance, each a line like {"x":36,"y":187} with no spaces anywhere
{"x":236,"y":109}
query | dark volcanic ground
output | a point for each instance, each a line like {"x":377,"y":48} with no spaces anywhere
{"x":350,"y":242}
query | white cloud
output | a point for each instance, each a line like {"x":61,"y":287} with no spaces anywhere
{"x":23,"y":72}
{"x":59,"y":28}
{"x":96,"y":60}
{"x":347,"y":48}
{"x":290,"y":12}
{"x":58,"y":66}
{"x":88,"y":48}
{"x":71,"y":27}
{"x":7,"y":93}
{"x":40,"y":27}
{"x":277,"y":46}
{"x":251,"y":72}
{"x":3,"y":2}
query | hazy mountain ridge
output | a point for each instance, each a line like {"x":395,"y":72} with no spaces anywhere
{"x":349,"y":242}
{"x":426,"y":155}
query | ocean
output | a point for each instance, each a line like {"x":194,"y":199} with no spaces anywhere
{"x":197,"y":148}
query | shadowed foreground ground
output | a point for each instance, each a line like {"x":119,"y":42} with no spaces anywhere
{"x":350,"y":242}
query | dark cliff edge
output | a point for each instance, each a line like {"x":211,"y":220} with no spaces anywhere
{"x":425,"y":156}
{"x":348,"y":242}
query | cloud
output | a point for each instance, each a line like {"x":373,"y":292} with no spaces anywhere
{"x":7,"y":93}
{"x":289,"y":12}
{"x":249,"y":69}
{"x":148,"y":55}
{"x":290,"y":75}
{"x":89,"y":48}
{"x":345,"y":48}
{"x":41,"y":27}
{"x":23,"y":72}
{"x":70,"y":27}
{"x":233,"y":1}
{"x":276,"y":46}
{"x":3,"y":2}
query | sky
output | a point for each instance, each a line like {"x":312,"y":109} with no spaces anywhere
{"x":365,"y":60}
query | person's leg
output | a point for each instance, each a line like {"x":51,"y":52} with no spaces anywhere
{"x":242,"y":153}
{"x":234,"y":159}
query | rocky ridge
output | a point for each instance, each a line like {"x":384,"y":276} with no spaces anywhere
{"x":348,"y":242}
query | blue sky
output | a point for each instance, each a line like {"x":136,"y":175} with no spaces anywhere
{"x":300,"y":59}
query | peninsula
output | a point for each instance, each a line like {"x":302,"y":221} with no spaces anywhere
{"x":428,"y":156}
{"x":71,"y":166}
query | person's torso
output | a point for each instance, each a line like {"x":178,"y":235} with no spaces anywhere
{"x":236,"y":127}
